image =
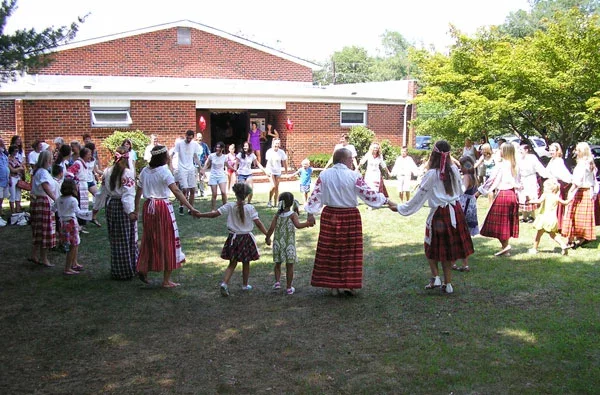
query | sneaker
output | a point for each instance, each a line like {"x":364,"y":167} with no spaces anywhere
{"x":180,"y":210}
{"x":84,"y":231}
{"x":290,"y":291}
{"x":532,"y":251}
{"x":224,"y":289}
{"x":269,"y":205}
{"x":247,"y":287}
{"x":277,"y":285}
{"x":447,"y":289}
{"x":189,"y":212}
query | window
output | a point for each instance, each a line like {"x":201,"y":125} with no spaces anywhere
{"x":110,"y":117}
{"x":353,"y":117}
{"x":184,"y":36}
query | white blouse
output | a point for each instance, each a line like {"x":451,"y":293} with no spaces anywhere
{"x":126,"y":192}
{"x":234,"y":223}
{"x":557,"y":169}
{"x":583,"y":177}
{"x":41,"y":176}
{"x":501,"y":179}
{"x":433,"y":192}
{"x":155,"y":182}
{"x":339,"y":187}
{"x":67,"y":208}
{"x":275,"y":160}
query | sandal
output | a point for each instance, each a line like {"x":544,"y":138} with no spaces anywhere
{"x":465,"y":269}
{"x":454,"y":267}
{"x":434,"y":282}
{"x":70,"y":272}
{"x":77,"y":268}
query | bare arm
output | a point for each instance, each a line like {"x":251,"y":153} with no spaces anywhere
{"x":209,"y":214}
{"x":271,"y":230}
{"x":179,"y":195}
{"x":48,"y":190}
{"x":298,"y":224}
{"x":260,"y":226}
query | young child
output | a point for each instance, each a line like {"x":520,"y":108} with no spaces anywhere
{"x":240,"y":244}
{"x":68,"y":210}
{"x":546,"y":219}
{"x":447,"y":237}
{"x":468,"y":202}
{"x":305,"y":172}
{"x":284,"y":226}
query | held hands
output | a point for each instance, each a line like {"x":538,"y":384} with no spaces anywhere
{"x":392,"y":206}
{"x":310,"y":220}
{"x":133,"y":216}
{"x":268,"y":241}
{"x":196,"y":213}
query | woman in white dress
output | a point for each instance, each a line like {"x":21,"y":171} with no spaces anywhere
{"x":217,"y":163}
{"x":375,"y":163}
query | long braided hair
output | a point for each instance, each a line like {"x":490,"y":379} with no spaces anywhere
{"x":241,"y":191}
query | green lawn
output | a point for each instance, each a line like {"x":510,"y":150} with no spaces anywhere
{"x":519,"y":324}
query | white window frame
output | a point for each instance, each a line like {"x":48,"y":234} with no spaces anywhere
{"x":349,"y":124}
{"x":97,"y":112}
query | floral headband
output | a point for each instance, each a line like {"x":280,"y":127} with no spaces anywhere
{"x":160,"y":151}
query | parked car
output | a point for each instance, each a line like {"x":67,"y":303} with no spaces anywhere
{"x":596,"y":154}
{"x":539,"y":145}
{"x":423,"y":142}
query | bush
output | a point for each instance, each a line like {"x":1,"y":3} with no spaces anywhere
{"x":361,"y":137}
{"x":318,"y":160}
{"x":389,"y":152}
{"x":139,"y":141}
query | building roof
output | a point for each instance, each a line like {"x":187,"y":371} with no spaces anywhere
{"x":192,"y":25}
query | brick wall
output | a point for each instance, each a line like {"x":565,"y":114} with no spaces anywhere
{"x":317,"y":127}
{"x":157,"y":54}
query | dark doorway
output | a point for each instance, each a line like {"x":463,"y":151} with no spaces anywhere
{"x":230,"y":128}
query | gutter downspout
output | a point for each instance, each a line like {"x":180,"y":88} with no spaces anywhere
{"x":404,"y":137}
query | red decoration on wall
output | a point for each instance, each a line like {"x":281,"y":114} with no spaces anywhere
{"x":289,"y":125}
{"x":202,"y":123}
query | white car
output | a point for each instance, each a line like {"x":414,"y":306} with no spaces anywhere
{"x":539,"y":145}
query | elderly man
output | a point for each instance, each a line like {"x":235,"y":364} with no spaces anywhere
{"x":339,"y":256}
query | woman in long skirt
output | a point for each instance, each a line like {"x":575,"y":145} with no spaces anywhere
{"x":502,"y":220}
{"x":43,"y":192}
{"x":161,"y":247}
{"x":447,"y":237}
{"x":117,"y":195}
{"x":558,"y":170}
{"x":579,"y":222}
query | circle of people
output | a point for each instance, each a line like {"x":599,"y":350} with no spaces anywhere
{"x":566,"y":208}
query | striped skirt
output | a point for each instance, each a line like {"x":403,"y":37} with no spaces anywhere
{"x":448,"y":243}
{"x":43,"y":226}
{"x":123,"y":238}
{"x":339,"y":256}
{"x":161,"y":247}
{"x":502,"y":220}
{"x":240,"y":248}
{"x":579,"y":221}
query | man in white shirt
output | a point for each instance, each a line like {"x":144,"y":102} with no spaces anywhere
{"x":344,"y":143}
{"x":148,"y":150}
{"x":187,"y":152}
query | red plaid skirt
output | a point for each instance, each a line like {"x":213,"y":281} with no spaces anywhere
{"x":241,"y":248}
{"x":448,"y":244}
{"x":579,"y":218}
{"x":339,"y":256}
{"x":43,"y":226}
{"x":502,"y":220}
{"x":560,"y":210}
{"x":69,"y":232}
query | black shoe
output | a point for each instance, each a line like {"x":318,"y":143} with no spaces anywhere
{"x":189,"y":212}
{"x":180,"y":210}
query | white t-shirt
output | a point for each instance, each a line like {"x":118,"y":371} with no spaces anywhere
{"x":217,"y":164}
{"x":155,"y":182}
{"x":32,"y":157}
{"x":234,"y":223}
{"x":245,"y":164}
{"x":274,"y":160}
{"x":348,"y":147}
{"x":41,"y":176}
{"x":186,"y":152}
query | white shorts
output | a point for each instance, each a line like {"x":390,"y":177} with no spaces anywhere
{"x":15,"y":193}
{"x":187,"y":178}
{"x":404,"y":184}
{"x":217,"y":179}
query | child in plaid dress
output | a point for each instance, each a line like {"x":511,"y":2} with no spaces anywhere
{"x":447,"y":236}
{"x":284,"y":226}
{"x":240,"y":244}
{"x":68,"y":210}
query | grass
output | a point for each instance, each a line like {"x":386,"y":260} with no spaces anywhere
{"x":523,"y":324}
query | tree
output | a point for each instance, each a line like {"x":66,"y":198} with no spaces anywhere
{"x":545,"y":84}
{"x":28,"y":49}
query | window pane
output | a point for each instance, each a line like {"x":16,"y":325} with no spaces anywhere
{"x":356,"y":117}
{"x":184,"y":36}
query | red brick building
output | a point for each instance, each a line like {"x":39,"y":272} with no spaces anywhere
{"x":162,"y":79}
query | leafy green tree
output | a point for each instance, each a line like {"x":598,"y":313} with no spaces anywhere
{"x":28,"y":49}
{"x":546,"y":84}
